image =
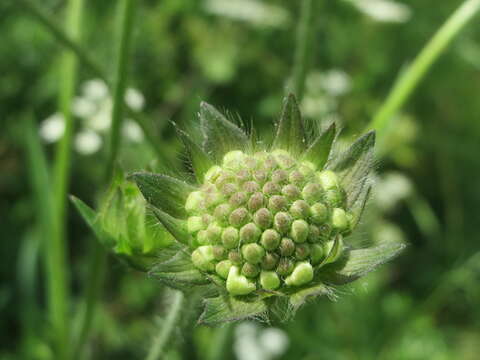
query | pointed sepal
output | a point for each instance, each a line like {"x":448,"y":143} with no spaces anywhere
{"x":176,"y":227}
{"x":319,"y":151}
{"x":221,"y":135}
{"x":228,"y":308}
{"x":290,"y":134}
{"x":164,"y":192}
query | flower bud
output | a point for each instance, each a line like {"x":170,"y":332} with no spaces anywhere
{"x":282,"y":222}
{"x":238,"y":284}
{"x":194,"y":203}
{"x":233,"y":160}
{"x":253,"y":253}
{"x":235,"y":257}
{"x":300,"y":209}
{"x":312,"y":192}
{"x":256,"y":201}
{"x":194,"y":224}
{"x":222,"y":212}
{"x":299,"y":231}
{"x":213,"y":198}
{"x":317,"y":253}
{"x":277,"y":203}
{"x":271,"y":188}
{"x":328,"y":179}
{"x":283,"y":158}
{"x":334,"y":197}
{"x":263,"y":218}
{"x":203,"y":257}
{"x":239,"y":217}
{"x":229,"y":189}
{"x":203,"y":238}
{"x":319,"y":213}
{"x":339,"y":219}
{"x":250,"y":187}
{"x":249,"y":233}
{"x":219,"y":252}
{"x":279,"y":176}
{"x":269,"y":280}
{"x":250,"y":270}
{"x":212,"y":174}
{"x":302,"y":251}
{"x":287,"y":247}
{"x":223,"y":267}
{"x":291,"y":192}
{"x":284,"y":267}
{"x":313,"y":234}
{"x":269,"y":261}
{"x":238,"y":199}
{"x":270,"y":239}
{"x":307,"y":168}
{"x":214,"y":232}
{"x":296,"y":177}
{"x":260,"y":176}
{"x":230,"y":238}
{"x":302,"y":274}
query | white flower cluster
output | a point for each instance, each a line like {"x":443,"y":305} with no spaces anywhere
{"x":255,"y":343}
{"x":384,"y":10}
{"x":94,"y":110}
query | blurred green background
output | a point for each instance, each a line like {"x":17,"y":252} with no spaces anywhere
{"x":238,"y":55}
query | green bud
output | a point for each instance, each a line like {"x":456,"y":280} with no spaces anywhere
{"x":313,"y":234}
{"x":235,"y":257}
{"x":256,"y":201}
{"x":334,"y":197}
{"x":339,"y":219}
{"x":212,"y":174}
{"x":222,"y":212}
{"x":302,"y":274}
{"x":214,"y":232}
{"x":270,"y":239}
{"x":250,"y":162}
{"x":260,"y":176}
{"x":291,"y":192}
{"x":279,"y":176}
{"x":229,"y":189}
{"x":299,"y":231}
{"x":203,"y":257}
{"x":269,"y":261}
{"x":233,"y":160}
{"x":230,"y":238}
{"x":219,"y":252}
{"x":224,"y":178}
{"x":239,"y":217}
{"x":243,"y":175}
{"x":269,"y":280}
{"x":332,"y":253}
{"x":263,"y":218}
{"x":282,"y":222}
{"x":249,"y":233}
{"x":285,"y":266}
{"x":307,"y":168}
{"x":238,"y":284}
{"x":271,"y":188}
{"x":223,"y":267}
{"x":253,"y":253}
{"x":250,"y":270}
{"x":250,"y":187}
{"x":300,"y":209}
{"x":213,"y":198}
{"x":194,"y":203}
{"x":277,"y":203}
{"x":194,"y":224}
{"x":328,"y":179}
{"x":203,"y":238}
{"x":302,"y":251}
{"x":312,"y":192}
{"x":317,"y":253}
{"x":287,"y":247}
{"x":283,"y":158}
{"x":319,"y":213}
{"x":238,"y":199}
{"x":296,"y":177}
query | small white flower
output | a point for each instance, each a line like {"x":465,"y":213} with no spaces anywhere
{"x":52,"y":128}
{"x":87,"y":142}
{"x":384,"y":10}
{"x":100,"y":121}
{"x":134,"y":99}
{"x":132,"y":131}
{"x":274,"y":341}
{"x":254,"y":343}
{"x":83,"y":107}
{"x":95,"y":89}
{"x":336,"y":82}
{"x":391,"y":189}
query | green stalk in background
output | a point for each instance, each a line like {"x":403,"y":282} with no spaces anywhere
{"x":56,"y":250}
{"x":404,"y":87}
{"x":97,"y":259}
{"x":303,"y":49}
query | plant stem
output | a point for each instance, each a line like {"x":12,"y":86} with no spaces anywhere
{"x":303,"y":47}
{"x":98,"y":256}
{"x":158,"y":347}
{"x":67,"y":41}
{"x":57,"y":248}
{"x":403,"y":88}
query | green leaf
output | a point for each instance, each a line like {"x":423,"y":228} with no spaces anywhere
{"x":200,"y":160}
{"x":164,"y":192}
{"x":300,"y":297}
{"x":358,"y":206}
{"x":179,"y":272}
{"x":221,"y":135}
{"x":91,"y":219}
{"x":318,"y":152}
{"x":227,"y":308}
{"x":176,"y":227}
{"x":354,"y":165}
{"x":290,"y":130}
{"x":358,"y":263}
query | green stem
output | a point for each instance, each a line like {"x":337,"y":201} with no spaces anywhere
{"x":303,"y":47}
{"x":57,"y":249}
{"x":158,"y":346}
{"x":67,"y":41}
{"x":98,"y":257}
{"x":404,"y":87}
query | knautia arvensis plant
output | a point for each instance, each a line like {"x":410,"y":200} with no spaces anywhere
{"x":263,"y":228}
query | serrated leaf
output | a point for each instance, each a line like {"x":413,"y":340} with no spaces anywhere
{"x":200,"y":160}
{"x":91,"y":219}
{"x":176,"y":227}
{"x":354,"y":165}
{"x":300,"y":297}
{"x":164,"y":192}
{"x":358,"y":206}
{"x":319,"y":150}
{"x":225,"y":309}
{"x":221,"y":135}
{"x":290,"y":129}
{"x":358,"y":263}
{"x":178,"y":272}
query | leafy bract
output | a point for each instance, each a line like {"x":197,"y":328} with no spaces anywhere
{"x":319,"y":150}
{"x":224,"y":309}
{"x":290,"y":129}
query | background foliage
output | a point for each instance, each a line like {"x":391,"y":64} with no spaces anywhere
{"x":238,"y":55}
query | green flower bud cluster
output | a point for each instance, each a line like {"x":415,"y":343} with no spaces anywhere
{"x":265,"y":220}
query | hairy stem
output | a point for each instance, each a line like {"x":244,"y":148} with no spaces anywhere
{"x":303,"y":47}
{"x":158,"y":347}
{"x":407,"y":83}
